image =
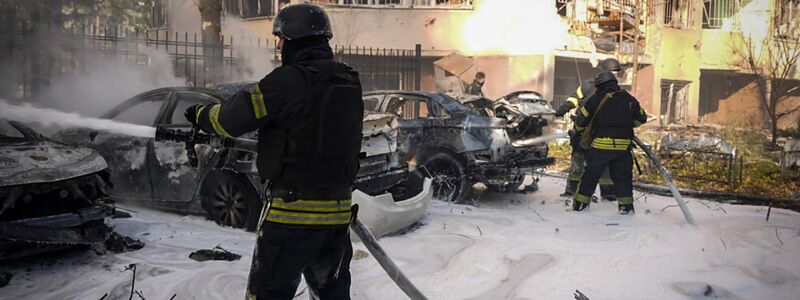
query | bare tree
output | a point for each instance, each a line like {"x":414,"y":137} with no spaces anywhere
{"x":771,"y":61}
{"x":211,"y":22}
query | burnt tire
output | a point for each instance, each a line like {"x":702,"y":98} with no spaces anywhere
{"x":449,"y":180}
{"x":231,"y":200}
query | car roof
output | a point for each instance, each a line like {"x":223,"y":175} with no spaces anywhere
{"x":452,"y":105}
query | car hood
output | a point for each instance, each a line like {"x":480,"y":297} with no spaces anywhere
{"x":45,"y":161}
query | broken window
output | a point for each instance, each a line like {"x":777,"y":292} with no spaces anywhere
{"x":140,"y":111}
{"x":676,"y":13}
{"x":674,"y":102}
{"x":158,"y":13}
{"x":408,"y":108}
{"x":720,"y":13}
{"x":786,"y":12}
{"x":253,"y":8}
{"x":185,"y":100}
{"x":371,"y":103}
{"x":401,"y":3}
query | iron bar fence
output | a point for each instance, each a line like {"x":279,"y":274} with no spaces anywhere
{"x":31,"y":58}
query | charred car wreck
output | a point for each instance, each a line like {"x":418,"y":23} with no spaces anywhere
{"x":51,"y":195}
{"x":158,"y":172}
{"x":458,"y":142}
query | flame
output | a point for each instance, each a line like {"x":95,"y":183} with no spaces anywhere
{"x":512,"y":27}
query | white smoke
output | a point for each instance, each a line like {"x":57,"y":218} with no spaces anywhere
{"x":50,"y":117}
{"x":256,"y":49}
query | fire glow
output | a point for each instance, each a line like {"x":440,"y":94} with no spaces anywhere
{"x":512,"y":27}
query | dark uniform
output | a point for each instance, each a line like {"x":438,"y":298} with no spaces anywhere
{"x":476,"y":87}
{"x":612,"y":131}
{"x":309,"y":114}
{"x":577,"y":158}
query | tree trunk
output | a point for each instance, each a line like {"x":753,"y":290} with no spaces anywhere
{"x":211,"y":22}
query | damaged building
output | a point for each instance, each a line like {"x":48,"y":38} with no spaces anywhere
{"x":685,"y":69}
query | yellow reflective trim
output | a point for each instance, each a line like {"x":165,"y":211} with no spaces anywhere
{"x":259,"y":107}
{"x":573,"y":100}
{"x":582,"y":198}
{"x":346,"y":202}
{"x":308,"y":218}
{"x":308,"y":222}
{"x":584,"y":111}
{"x":579,"y":92}
{"x":213,"y":115}
{"x":197,"y":114}
{"x":611,"y":144}
{"x":625,"y":200}
{"x":641,"y":111}
{"x":343,"y":208}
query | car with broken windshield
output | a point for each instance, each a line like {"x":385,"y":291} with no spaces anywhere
{"x":225,"y":186}
{"x":458,"y":142}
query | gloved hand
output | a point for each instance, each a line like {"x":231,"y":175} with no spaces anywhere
{"x":560,"y":112}
{"x":191,"y":113}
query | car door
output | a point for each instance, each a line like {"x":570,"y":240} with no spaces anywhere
{"x":414,"y":118}
{"x":174,"y":179}
{"x":127,"y":155}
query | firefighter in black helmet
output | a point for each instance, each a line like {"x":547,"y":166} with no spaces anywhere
{"x":609,"y":117}
{"x":577,"y":159}
{"x":308,"y":113}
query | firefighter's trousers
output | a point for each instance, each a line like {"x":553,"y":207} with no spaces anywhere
{"x":618,"y":164}
{"x":283,"y":253}
{"x":576,"y":170}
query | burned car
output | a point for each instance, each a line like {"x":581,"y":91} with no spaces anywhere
{"x":225,"y":186}
{"x":460,"y":142}
{"x":51,"y":195}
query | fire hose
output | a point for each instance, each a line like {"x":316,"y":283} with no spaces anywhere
{"x":194,"y":136}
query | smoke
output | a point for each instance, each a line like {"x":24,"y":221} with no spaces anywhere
{"x":255,"y":49}
{"x":106,"y":81}
{"x":50,"y":117}
{"x":513,"y":27}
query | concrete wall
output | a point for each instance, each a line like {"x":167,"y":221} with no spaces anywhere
{"x":729,"y":98}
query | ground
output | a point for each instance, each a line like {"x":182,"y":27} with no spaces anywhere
{"x":508,"y":246}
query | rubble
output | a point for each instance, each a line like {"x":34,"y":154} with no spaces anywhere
{"x":118,"y":243}
{"x":218,"y":253}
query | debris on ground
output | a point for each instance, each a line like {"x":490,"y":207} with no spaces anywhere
{"x":119,"y":243}
{"x":359,"y":254}
{"x":5,"y":278}
{"x":218,"y":253}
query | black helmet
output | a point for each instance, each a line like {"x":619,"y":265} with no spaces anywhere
{"x":603,"y":78}
{"x":610,"y":64}
{"x":301,"y":20}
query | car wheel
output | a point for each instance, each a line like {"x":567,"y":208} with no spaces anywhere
{"x":448,"y":176}
{"x":230,"y":200}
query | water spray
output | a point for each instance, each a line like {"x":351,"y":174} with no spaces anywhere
{"x":47,"y":117}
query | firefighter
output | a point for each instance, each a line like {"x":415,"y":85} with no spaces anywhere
{"x":476,"y":87}
{"x":577,"y":158}
{"x":308,"y":113}
{"x":609,"y":116}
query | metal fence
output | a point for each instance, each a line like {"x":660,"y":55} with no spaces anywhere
{"x":31,"y":58}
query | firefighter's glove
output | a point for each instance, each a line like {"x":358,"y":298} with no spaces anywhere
{"x":561,"y":111}
{"x":192,"y":113}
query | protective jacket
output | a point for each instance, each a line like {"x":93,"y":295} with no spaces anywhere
{"x":308,"y":113}
{"x":474,"y":88}
{"x":613,"y":123}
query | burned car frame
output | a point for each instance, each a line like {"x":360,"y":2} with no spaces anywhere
{"x":51,"y":195}
{"x":225,"y":186}
{"x":458,"y":143}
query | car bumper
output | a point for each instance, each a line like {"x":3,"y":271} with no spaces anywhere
{"x":382,"y":215}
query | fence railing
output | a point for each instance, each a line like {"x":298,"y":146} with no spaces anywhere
{"x":34,"y":58}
